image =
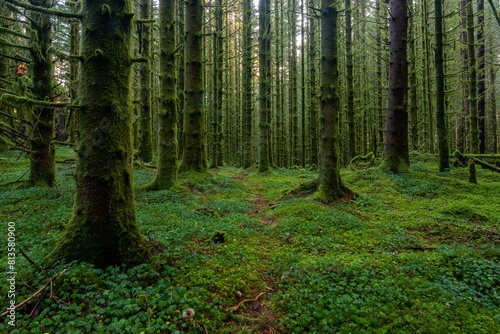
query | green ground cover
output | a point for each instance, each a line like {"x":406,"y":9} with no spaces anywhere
{"x":412,"y":253}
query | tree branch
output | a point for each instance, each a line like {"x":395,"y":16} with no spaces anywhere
{"x":43,"y":10}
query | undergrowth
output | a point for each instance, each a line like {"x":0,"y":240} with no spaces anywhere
{"x":412,"y":253}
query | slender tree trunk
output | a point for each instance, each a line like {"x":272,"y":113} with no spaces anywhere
{"x":313,"y":93}
{"x":264,"y":82}
{"x":464,"y":115}
{"x":474,"y":125}
{"x":330,"y":184}
{"x":73,"y":74}
{"x":413,"y":81}
{"x":481,"y":78}
{"x":493,"y":109}
{"x":350,"y":83}
{"x":247,"y":84}
{"x":181,"y":76}
{"x":42,"y":156}
{"x":103,"y":229}
{"x":396,"y":148}
{"x":444,"y":155}
{"x":380,"y":87}
{"x":217,"y":87}
{"x":166,"y":177}
{"x":195,"y":151}
{"x":294,"y":131}
{"x":146,"y":136}
{"x":303,"y":87}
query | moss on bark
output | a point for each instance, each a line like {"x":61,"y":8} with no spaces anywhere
{"x":103,"y":229}
{"x":42,"y":156}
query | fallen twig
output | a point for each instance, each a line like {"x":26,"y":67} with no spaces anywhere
{"x":236,"y":307}
{"x":26,"y":301}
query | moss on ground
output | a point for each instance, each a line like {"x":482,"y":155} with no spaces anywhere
{"x":412,"y":253}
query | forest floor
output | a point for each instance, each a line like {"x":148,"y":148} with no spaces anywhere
{"x":412,"y":253}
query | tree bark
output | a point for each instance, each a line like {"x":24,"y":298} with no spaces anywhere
{"x":264,"y":82}
{"x":330,"y":184}
{"x":194,"y":157}
{"x":247,"y":84}
{"x":166,"y":177}
{"x":42,"y":156}
{"x":103,"y":230}
{"x":474,"y":124}
{"x":444,"y":155}
{"x":351,"y":131}
{"x":481,"y":78}
{"x":146,"y":133}
{"x":397,"y":157}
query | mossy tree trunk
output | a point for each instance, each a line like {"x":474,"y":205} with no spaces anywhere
{"x":397,"y":158}
{"x":330,"y":184}
{"x":264,"y":83}
{"x":349,"y":82}
{"x":473,"y":117}
{"x":493,"y":142}
{"x":464,"y":116}
{"x":292,"y":91}
{"x":180,"y":75}
{"x":42,"y":156}
{"x":413,"y":107}
{"x":146,"y":133}
{"x":247,"y":84}
{"x":444,"y":155}
{"x":312,"y":87}
{"x":103,"y":230}
{"x":166,"y":177}
{"x":194,"y":156}
{"x":73,"y":73}
{"x":217,"y":87}
{"x":481,"y":78}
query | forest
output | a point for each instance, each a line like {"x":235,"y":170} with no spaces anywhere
{"x":239,"y":166}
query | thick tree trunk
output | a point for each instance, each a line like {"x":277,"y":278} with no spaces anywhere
{"x":247,"y":84}
{"x":166,"y":176}
{"x":146,"y":136}
{"x":330,"y":184}
{"x":444,"y":155}
{"x":194,"y":157}
{"x":42,"y":156}
{"x":103,"y":230}
{"x":264,"y":83}
{"x":397,"y":157}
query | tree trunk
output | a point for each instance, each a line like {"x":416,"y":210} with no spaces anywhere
{"x":264,"y":82}
{"x":42,"y":156}
{"x":103,"y":230}
{"x":217,"y":87}
{"x":413,"y":112}
{"x":194,"y":157}
{"x":481,"y":78}
{"x":397,"y":157}
{"x":474,"y":127}
{"x":247,"y":84}
{"x":444,"y":155}
{"x":146,"y":136}
{"x":166,"y":177}
{"x":351,"y":131}
{"x":313,"y":93}
{"x":330,"y":184}
{"x":464,"y":115}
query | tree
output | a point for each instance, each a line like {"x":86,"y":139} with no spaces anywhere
{"x":330,"y":184}
{"x":474,"y":124}
{"x":146,"y":133}
{"x":247,"y":84}
{"x":350,"y":82}
{"x":217,"y":86}
{"x":194,"y":156}
{"x":103,"y":230}
{"x":481,"y":78}
{"x":312,"y":89}
{"x":397,"y":158}
{"x":42,"y":156}
{"x":264,"y":83}
{"x":444,"y":155}
{"x":166,"y":177}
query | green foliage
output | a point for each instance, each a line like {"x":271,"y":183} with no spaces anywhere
{"x":412,"y":253}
